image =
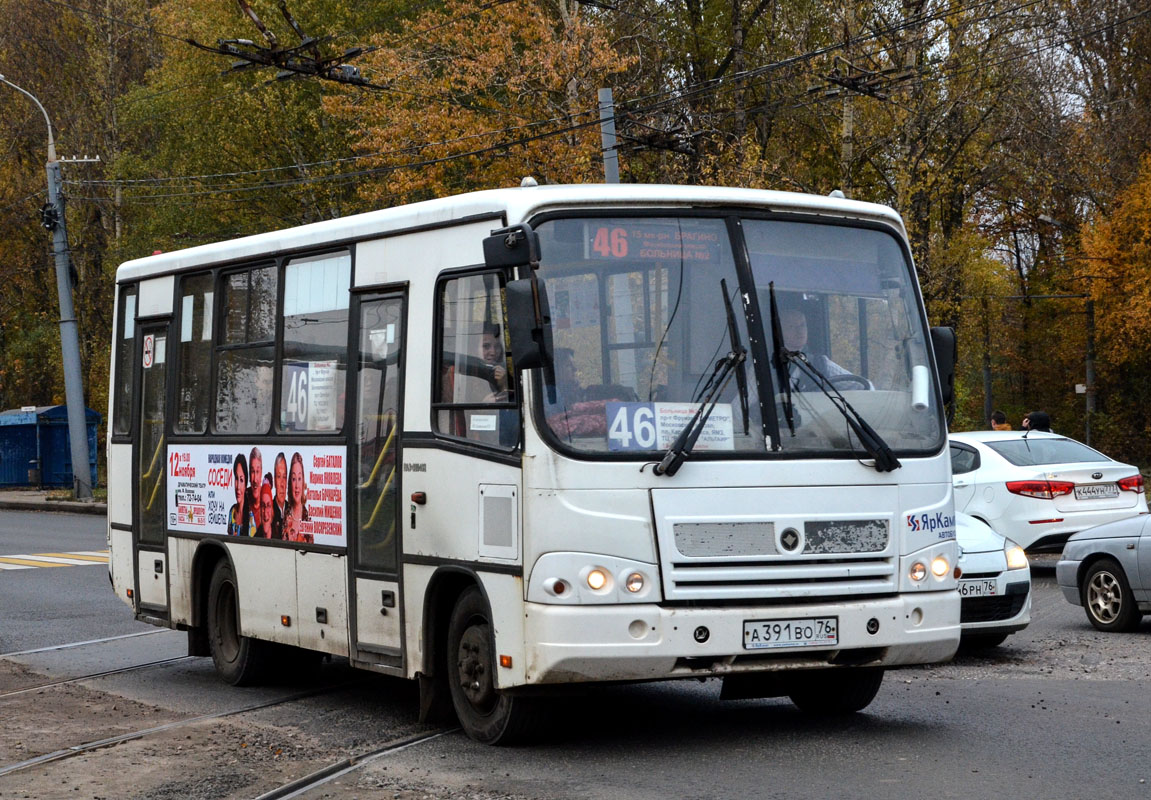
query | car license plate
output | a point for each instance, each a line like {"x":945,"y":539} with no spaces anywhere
{"x":762,"y":634}
{"x":977,"y":588}
{"x":1096,"y":491}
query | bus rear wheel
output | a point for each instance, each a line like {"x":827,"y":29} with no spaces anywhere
{"x":239,"y":660}
{"x":838,"y":691}
{"x":486,"y":714}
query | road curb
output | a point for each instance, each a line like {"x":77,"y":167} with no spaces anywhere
{"x":58,"y":506}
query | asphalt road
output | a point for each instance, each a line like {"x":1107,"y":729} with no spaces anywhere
{"x":50,"y":606}
{"x":1059,"y":711}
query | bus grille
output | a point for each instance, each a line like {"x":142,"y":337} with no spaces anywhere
{"x":764,"y":561}
{"x":760,"y":580}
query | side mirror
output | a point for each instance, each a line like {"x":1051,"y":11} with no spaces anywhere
{"x":945,"y":345}
{"x":515,"y":246}
{"x":529,"y":322}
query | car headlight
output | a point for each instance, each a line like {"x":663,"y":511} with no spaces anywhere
{"x":1016,"y":558}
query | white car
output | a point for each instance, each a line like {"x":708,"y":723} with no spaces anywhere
{"x":1039,"y":488}
{"x":994,"y":584}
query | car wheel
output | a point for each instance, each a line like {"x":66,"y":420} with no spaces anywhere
{"x":486,"y":714}
{"x":239,"y":660}
{"x":1107,"y":597}
{"x":838,"y":691}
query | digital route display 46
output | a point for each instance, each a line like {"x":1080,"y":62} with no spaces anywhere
{"x":652,"y":241}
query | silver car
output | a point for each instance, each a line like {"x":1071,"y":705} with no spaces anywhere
{"x":1107,"y":570}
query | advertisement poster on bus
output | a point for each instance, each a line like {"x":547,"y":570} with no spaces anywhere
{"x":293,"y":494}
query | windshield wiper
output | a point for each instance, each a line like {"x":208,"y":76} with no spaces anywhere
{"x":708,"y":398}
{"x":779,"y":361}
{"x":872,"y":442}
{"x":737,"y":347}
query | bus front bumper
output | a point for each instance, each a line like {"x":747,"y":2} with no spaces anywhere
{"x":575,"y":644}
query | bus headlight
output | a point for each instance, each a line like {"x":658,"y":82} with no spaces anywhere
{"x":573,"y":578}
{"x":917,"y":572}
{"x":940,"y":566}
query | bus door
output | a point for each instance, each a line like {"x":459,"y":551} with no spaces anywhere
{"x":151,"y":468}
{"x":374,"y":482}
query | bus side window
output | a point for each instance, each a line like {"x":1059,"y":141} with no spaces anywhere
{"x":315,"y":364}
{"x":476,"y":397}
{"x":125,"y":362}
{"x":195,"y":390}
{"x":246,"y":351}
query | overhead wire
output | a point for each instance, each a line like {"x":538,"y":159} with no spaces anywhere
{"x":499,"y":145}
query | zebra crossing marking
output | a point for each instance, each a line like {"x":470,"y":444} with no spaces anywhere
{"x":38,"y":560}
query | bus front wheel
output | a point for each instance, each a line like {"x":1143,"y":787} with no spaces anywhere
{"x":239,"y":660}
{"x":486,"y":714}
{"x":838,"y":691}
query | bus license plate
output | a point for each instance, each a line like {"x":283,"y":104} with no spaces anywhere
{"x":1096,"y":491}
{"x":977,"y":588}
{"x":761,"y":634}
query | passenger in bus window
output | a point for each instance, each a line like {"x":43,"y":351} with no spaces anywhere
{"x":255,"y":471}
{"x":240,"y":519}
{"x":492,"y":352}
{"x":297,"y":510}
{"x":280,"y":505}
{"x":266,"y":503}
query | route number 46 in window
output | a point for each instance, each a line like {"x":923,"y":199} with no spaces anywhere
{"x":632,"y":426}
{"x":610,"y":242}
{"x":297,"y":406}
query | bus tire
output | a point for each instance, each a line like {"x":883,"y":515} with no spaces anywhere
{"x":839,"y":691}
{"x":486,"y":714}
{"x":239,"y":660}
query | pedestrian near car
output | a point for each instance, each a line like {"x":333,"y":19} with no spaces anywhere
{"x":1037,"y":421}
{"x":999,"y":421}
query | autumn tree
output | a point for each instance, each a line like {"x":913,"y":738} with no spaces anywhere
{"x":478,"y":97}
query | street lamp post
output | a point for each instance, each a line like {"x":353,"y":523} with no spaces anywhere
{"x":69,"y":335}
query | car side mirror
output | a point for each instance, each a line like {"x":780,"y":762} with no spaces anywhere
{"x":945,"y":345}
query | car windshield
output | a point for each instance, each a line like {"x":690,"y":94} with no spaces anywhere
{"x":640,"y":321}
{"x":1037,"y":452}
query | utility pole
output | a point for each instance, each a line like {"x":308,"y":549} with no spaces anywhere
{"x":1090,"y":368}
{"x":52,"y":217}
{"x":607,"y":136}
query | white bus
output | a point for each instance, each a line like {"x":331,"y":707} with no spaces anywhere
{"x":525,"y":438}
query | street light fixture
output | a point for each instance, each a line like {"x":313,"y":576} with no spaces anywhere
{"x":69,"y":335}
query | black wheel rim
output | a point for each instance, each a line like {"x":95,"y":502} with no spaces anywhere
{"x":474,"y":667}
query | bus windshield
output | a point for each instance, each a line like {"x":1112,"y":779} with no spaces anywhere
{"x":640,"y":317}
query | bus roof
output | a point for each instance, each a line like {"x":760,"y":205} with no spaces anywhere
{"x":516,"y":204}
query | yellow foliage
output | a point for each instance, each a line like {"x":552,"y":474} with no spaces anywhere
{"x":478,"y":99}
{"x":1118,"y":270}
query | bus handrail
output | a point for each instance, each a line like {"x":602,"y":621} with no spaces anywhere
{"x":155,"y":460}
{"x":379,"y":460}
{"x":379,"y":500}
{"x":159,"y":480}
